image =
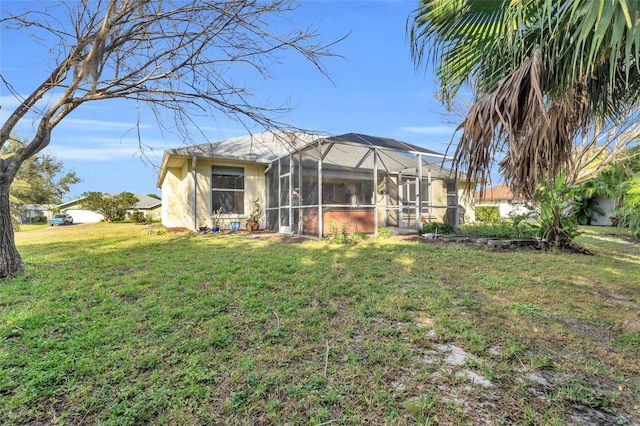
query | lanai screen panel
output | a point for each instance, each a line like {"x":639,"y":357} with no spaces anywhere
{"x":309,"y":190}
{"x":272,"y":194}
{"x":357,"y":180}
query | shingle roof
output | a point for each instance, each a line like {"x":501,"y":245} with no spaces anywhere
{"x":259,"y":147}
{"x":496,"y":193}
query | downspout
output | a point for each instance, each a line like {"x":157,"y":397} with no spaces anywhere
{"x":320,"y":221}
{"x":419,"y":189}
{"x":194,"y":176}
{"x":456,"y":221}
{"x":375,"y":192}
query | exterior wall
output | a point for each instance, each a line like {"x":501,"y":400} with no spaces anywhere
{"x":507,"y":208}
{"x":439,"y":194}
{"x":254,"y":189}
{"x":84,"y":216}
{"x":175,"y":194}
{"x":466,"y":200}
{"x":607,"y":205}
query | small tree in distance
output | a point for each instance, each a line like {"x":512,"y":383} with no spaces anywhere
{"x":112,"y":206}
{"x":189,"y":58}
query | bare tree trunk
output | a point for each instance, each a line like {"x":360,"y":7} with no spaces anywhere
{"x":10,"y":261}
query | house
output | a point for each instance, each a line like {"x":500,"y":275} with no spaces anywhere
{"x":501,"y":196}
{"x":32,"y":213}
{"x":608,"y":207}
{"x":308,"y":184}
{"x":149,"y":206}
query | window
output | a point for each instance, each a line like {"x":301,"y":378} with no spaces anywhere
{"x":227,"y":189}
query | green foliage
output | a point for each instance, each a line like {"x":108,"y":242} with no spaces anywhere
{"x":618,"y":181}
{"x":256,"y":211}
{"x":519,"y":227}
{"x":629,"y":211}
{"x":485,"y":41}
{"x":437,"y":228}
{"x":112,"y":207}
{"x":556,"y":226}
{"x":487,"y":213}
{"x":339,"y":233}
{"x":384,"y":232}
{"x":138,"y":217}
{"x":47,"y":179}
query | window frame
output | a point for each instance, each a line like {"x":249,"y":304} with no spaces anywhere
{"x":239,"y":209}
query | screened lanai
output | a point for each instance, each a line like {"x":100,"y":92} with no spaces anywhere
{"x":360,"y":183}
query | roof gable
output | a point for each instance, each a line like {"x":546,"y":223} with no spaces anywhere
{"x":496,"y":193}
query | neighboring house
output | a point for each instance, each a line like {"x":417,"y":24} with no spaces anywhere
{"x":501,"y":196}
{"x":608,"y":206}
{"x":151,"y":207}
{"x":309,"y":184}
{"x":30,"y":211}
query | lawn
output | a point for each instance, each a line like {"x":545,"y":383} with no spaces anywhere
{"x":114,"y":326}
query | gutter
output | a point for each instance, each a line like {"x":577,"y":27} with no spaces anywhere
{"x":194,"y":161}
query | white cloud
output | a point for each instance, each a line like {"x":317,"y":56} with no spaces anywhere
{"x":81,"y":124}
{"x":429,"y":130}
{"x":101,"y":150}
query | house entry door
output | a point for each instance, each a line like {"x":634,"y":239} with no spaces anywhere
{"x":408,"y":198}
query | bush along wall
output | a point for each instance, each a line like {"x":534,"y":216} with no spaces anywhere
{"x":487,"y":213}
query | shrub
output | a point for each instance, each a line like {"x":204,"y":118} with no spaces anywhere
{"x":437,"y":228}
{"x":384,"y":232}
{"x":487,"y":214}
{"x":138,"y":217}
{"x":501,"y":229}
{"x":339,"y":233}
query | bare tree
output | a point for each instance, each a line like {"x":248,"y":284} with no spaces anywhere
{"x":178,"y":56}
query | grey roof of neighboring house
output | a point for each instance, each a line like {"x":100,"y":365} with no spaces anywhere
{"x":144,"y":202}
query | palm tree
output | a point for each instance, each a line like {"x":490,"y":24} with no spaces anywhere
{"x":543,"y":71}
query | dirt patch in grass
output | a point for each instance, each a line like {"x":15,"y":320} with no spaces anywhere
{"x":632,"y":323}
{"x":596,"y":332}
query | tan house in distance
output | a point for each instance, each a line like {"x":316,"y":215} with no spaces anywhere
{"x":501,"y":196}
{"x":309,"y":184}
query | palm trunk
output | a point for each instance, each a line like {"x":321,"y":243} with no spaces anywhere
{"x":10,"y":261}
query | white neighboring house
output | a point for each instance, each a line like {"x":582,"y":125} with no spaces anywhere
{"x":151,"y":207}
{"x":31,"y":211}
{"x":608,"y":207}
{"x":501,"y":196}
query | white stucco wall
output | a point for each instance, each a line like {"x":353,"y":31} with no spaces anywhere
{"x":507,"y":209}
{"x":84,"y":216}
{"x":173,"y":197}
{"x":607,"y":205}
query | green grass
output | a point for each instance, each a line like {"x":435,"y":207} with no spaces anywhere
{"x":32,"y":227}
{"x":113,"y":326}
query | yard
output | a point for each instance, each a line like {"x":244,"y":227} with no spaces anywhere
{"x":114,"y":326}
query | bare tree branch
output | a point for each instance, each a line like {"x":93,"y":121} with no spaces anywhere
{"x":190,"y":58}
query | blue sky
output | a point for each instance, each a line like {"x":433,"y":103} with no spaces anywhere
{"x":375,"y":90}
